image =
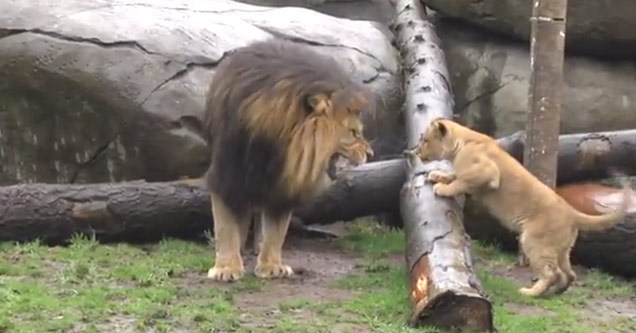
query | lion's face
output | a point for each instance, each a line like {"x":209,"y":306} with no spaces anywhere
{"x":343,"y":109}
{"x":352,"y":144}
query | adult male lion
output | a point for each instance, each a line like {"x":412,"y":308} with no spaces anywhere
{"x":276,"y":115}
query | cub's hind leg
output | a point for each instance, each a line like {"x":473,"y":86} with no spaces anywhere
{"x":228,"y":233}
{"x":269,"y":263}
{"x":569,"y":276}
{"x":543,"y":262}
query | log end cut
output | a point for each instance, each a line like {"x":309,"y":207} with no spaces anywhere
{"x":449,"y":309}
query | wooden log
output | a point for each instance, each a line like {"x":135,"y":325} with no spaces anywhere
{"x":135,"y":211}
{"x":132,"y":211}
{"x":445,"y":291}
{"x":585,"y":156}
{"x":141,"y":211}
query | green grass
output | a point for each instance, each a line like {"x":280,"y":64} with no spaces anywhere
{"x":92,"y":287}
{"x":384,"y":309}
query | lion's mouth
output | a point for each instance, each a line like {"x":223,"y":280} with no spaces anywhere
{"x":338,"y":164}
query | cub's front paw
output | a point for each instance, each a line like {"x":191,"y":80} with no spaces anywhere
{"x":268,"y":271}
{"x":437,"y":176}
{"x":225,"y":273}
{"x":439,"y":189}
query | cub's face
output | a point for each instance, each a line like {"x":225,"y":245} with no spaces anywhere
{"x":433,"y":143}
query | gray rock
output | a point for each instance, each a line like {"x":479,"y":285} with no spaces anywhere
{"x":605,"y":28}
{"x":112,"y":90}
{"x":490,"y":80}
{"x":370,"y":10}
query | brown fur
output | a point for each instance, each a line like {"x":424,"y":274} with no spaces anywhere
{"x":276,"y":115}
{"x":547,"y":223}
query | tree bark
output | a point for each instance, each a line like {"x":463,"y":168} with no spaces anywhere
{"x":547,"y":41}
{"x":585,"y":156}
{"x":445,"y":291}
{"x":134,"y":211}
{"x":545,"y":96}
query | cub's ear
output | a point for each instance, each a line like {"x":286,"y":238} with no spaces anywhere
{"x":317,"y":103}
{"x":440,"y":128}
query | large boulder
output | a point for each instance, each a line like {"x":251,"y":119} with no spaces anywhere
{"x":373,"y":10}
{"x":490,"y":80}
{"x":112,"y":90}
{"x":604,"y":28}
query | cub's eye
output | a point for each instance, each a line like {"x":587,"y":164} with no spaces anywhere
{"x":354,"y":133}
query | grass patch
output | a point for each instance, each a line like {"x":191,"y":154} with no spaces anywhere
{"x":372,"y":239}
{"x":386,"y":308}
{"x":94,"y":287}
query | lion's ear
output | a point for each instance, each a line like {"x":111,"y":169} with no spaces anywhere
{"x":440,"y":128}
{"x":317,"y":103}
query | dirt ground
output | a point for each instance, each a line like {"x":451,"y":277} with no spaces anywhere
{"x":320,"y":262}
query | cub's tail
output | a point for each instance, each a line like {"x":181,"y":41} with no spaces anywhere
{"x":601,"y":222}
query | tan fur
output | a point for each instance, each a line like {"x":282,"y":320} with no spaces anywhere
{"x":547,"y":224}
{"x":230,"y":233}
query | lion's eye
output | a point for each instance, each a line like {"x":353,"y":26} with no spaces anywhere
{"x":354,"y":133}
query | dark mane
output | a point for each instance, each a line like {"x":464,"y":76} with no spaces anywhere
{"x":246,"y":162}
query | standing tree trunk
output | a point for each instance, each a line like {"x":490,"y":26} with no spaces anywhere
{"x":546,"y":79}
{"x":445,"y":291}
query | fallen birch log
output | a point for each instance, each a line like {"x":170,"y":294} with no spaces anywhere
{"x":445,"y":290}
{"x":139,"y":210}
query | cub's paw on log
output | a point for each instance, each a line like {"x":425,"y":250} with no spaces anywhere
{"x":442,"y":177}
{"x":271,"y":271}
{"x":445,"y":190}
{"x":226,"y":273}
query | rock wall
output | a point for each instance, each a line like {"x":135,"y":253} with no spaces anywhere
{"x":490,"y":76}
{"x":112,"y":90}
{"x":102,"y":91}
{"x":602,"y":28}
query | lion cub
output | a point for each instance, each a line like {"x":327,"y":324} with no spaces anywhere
{"x":523,"y":204}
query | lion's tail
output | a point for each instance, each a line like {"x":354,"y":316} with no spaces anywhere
{"x":601,"y":222}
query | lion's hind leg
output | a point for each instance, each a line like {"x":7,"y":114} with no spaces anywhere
{"x":228,"y":234}
{"x":269,"y":262}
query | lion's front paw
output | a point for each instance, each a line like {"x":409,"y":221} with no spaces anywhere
{"x":226,"y":273}
{"x":267,"y":271}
